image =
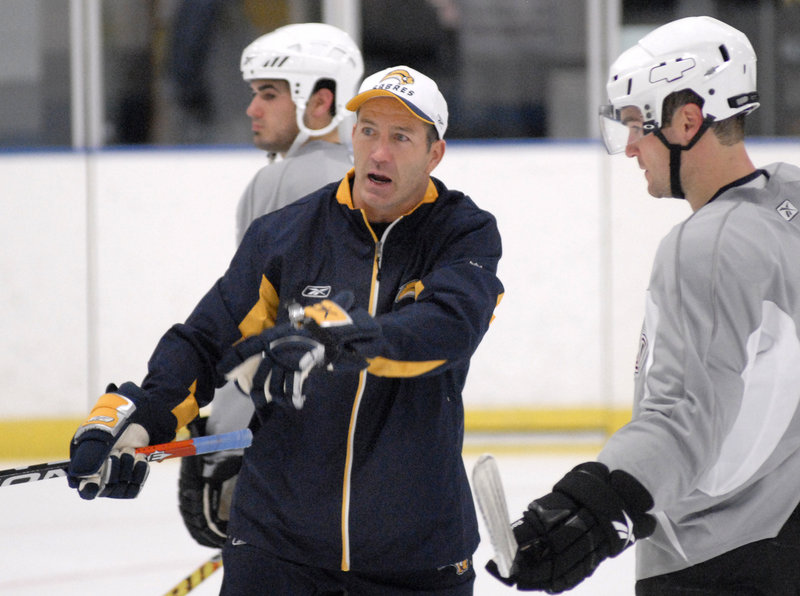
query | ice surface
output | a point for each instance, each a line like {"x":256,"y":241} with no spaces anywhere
{"x":52,"y":542}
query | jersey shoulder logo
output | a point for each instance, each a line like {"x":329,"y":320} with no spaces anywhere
{"x":787,"y":210}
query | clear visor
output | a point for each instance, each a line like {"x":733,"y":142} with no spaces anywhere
{"x":622,"y":127}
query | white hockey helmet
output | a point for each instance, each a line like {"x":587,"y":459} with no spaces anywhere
{"x":703,"y":54}
{"x":302,"y":54}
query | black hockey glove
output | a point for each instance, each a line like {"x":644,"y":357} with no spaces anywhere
{"x":102,"y":459}
{"x":205,"y":490}
{"x":590,"y":515}
{"x":274,"y":365}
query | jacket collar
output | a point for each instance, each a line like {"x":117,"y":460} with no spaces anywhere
{"x":345,"y":197}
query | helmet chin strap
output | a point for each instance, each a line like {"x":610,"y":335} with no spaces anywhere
{"x":675,"y":157}
{"x":305,"y":132}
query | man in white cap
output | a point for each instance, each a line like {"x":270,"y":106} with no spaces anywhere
{"x":349,"y":317}
{"x":300,"y":76}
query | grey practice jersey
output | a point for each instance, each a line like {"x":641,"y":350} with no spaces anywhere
{"x":311,"y":166}
{"x":715,"y":434}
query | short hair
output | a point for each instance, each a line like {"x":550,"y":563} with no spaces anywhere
{"x":431,"y":135}
{"x":728,"y":131}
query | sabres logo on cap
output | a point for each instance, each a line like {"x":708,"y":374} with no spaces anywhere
{"x":401,"y":75}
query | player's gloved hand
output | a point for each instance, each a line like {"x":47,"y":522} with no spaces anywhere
{"x":346,"y":332}
{"x":102,"y":459}
{"x":274,"y":365}
{"x":205,"y":490}
{"x":590,"y":515}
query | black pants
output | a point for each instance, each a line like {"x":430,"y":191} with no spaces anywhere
{"x":764,"y":568}
{"x":250,"y":571}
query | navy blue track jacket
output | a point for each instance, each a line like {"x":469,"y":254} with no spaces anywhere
{"x":368,"y":475}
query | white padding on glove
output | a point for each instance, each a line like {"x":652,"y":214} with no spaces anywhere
{"x":135,"y":435}
{"x":243,"y":374}
{"x":314,"y":357}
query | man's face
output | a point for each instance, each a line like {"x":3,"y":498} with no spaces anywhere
{"x":649,"y":151}
{"x":392,"y":159}
{"x":273,"y":115}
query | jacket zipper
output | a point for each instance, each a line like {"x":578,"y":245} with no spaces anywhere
{"x":362,"y":382}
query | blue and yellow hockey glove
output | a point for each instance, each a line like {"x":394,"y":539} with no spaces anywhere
{"x":102,"y":459}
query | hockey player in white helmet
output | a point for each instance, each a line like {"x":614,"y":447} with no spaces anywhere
{"x":716,"y":63}
{"x":704,"y":476}
{"x":301,"y":76}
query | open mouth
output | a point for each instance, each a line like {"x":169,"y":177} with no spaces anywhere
{"x":378,"y":179}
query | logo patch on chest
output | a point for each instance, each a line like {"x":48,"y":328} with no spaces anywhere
{"x":409,"y":290}
{"x":316,"y":291}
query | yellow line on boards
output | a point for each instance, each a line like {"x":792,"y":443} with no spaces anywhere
{"x":48,"y":439}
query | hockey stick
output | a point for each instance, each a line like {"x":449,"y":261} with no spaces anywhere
{"x":491,"y":499}
{"x":237,"y":439}
{"x":196,"y":577}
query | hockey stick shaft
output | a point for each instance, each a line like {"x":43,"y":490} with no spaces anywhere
{"x":237,"y":439}
{"x":196,"y":577}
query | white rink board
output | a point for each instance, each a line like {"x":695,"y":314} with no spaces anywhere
{"x":101,"y":253}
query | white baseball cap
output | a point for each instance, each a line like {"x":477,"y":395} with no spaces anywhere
{"x":417,"y":92}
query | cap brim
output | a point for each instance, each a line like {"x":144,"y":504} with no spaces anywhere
{"x":359,"y":99}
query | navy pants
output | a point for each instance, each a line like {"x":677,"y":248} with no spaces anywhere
{"x":248,"y":571}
